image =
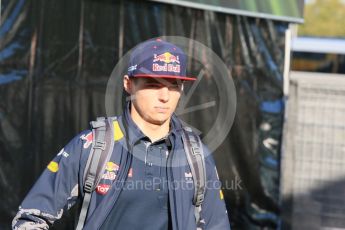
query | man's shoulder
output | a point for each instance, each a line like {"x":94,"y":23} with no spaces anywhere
{"x":80,"y":144}
{"x":86,"y":136}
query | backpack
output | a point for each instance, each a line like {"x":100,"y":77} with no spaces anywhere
{"x":102,"y":148}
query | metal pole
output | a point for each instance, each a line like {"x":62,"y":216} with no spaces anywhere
{"x":288,"y":38}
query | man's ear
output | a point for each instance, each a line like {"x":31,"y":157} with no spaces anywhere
{"x":127,"y":84}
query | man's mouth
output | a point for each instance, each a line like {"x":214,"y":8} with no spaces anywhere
{"x":161,"y":108}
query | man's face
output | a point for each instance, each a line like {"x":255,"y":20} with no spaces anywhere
{"x":154,"y":99}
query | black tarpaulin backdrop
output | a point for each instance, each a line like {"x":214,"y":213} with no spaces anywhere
{"x":56,"y":58}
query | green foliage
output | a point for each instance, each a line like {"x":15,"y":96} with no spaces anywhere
{"x":324,"y":18}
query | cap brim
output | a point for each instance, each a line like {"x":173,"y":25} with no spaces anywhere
{"x":163,"y":76}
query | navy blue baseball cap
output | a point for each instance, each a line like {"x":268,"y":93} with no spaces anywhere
{"x":158,"y":59}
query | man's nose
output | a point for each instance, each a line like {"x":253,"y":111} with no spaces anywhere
{"x":163,"y":94}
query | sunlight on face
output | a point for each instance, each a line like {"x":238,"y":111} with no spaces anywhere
{"x":154,"y":100}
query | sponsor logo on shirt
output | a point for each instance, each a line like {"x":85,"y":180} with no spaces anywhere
{"x":188,"y":176}
{"x":53,"y":166}
{"x":88,"y":139}
{"x":102,"y":189}
{"x":63,"y":153}
{"x":111,"y":170}
{"x":109,"y":175}
{"x":111,"y":167}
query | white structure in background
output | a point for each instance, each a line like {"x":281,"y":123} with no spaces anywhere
{"x":313,"y":155}
{"x":318,"y":45}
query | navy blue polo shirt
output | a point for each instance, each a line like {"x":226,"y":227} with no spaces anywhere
{"x":143,"y":202}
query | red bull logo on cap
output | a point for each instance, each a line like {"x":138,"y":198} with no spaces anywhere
{"x":166,"y":58}
{"x":171,"y":63}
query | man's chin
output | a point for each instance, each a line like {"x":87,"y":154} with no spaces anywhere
{"x":159,"y":121}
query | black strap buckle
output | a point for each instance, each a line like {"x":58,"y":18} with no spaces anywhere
{"x":88,"y":186}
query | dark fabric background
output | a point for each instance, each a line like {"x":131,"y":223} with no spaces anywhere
{"x":55,"y":61}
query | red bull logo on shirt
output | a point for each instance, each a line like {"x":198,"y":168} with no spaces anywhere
{"x":88,"y":139}
{"x":111,"y":167}
{"x":171,"y":63}
{"x":109,"y":175}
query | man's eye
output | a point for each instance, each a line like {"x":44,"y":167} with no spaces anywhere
{"x":175,"y":86}
{"x":153,"y":85}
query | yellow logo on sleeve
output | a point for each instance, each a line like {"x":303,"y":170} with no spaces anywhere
{"x":221,"y":195}
{"x":53,"y":166}
{"x":118,"y":134}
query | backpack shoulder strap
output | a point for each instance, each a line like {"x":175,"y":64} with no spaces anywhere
{"x":102,"y":148}
{"x":195,"y":157}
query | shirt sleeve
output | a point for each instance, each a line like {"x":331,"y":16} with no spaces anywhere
{"x":213,"y":213}
{"x":57,"y":188}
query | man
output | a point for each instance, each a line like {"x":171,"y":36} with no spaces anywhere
{"x":148,"y":156}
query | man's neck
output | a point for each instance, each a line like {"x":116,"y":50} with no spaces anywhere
{"x":152,"y":131}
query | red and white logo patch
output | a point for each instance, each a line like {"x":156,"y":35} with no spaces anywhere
{"x":171,"y":63}
{"x":102,"y":189}
{"x":88,"y":139}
